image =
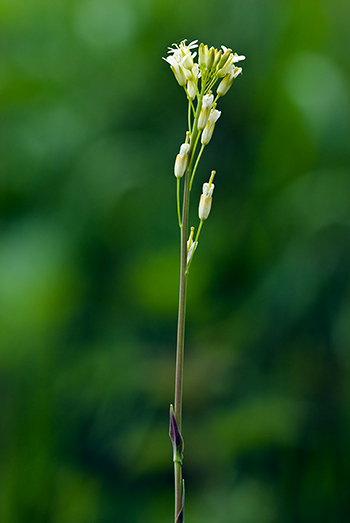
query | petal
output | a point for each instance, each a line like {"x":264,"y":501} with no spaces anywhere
{"x":238,"y":58}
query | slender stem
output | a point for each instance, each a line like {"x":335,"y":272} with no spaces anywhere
{"x":199,"y":230}
{"x":182,"y":307}
{"x":183,"y":278}
{"x":189,"y":113}
{"x":178,"y":201}
{"x":181,"y":339}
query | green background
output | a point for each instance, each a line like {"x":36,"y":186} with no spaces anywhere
{"x":91,"y":119}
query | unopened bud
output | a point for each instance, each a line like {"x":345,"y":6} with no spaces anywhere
{"x":224,"y":58}
{"x":211,"y":58}
{"x":205,"y":110}
{"x":217,"y":57}
{"x":191,"y":90}
{"x":206,"y":198}
{"x":209,"y":128}
{"x":225,"y":69}
{"x":181,"y":160}
{"x":226,"y":82}
{"x":191,"y":246}
{"x":203,"y":52}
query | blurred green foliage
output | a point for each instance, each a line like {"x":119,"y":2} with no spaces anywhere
{"x":90,"y":121}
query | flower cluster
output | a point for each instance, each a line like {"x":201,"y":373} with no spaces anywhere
{"x":199,"y":74}
{"x":212,"y":65}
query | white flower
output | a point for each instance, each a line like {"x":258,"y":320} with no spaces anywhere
{"x":181,"y":74}
{"x":181,"y":61}
{"x":226,"y":82}
{"x":226,"y":62}
{"x":181,"y":160}
{"x":182,"y":54}
{"x":209,"y":128}
{"x":205,"y":201}
{"x":182,"y":47}
{"x":205,"y":110}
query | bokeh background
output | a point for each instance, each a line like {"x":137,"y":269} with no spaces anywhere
{"x":91,"y":119}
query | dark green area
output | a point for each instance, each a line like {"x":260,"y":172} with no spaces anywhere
{"x":91,"y":119}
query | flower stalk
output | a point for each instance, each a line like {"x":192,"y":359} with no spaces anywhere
{"x":197,"y":80}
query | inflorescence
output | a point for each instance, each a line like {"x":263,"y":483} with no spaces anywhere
{"x":213,"y":69}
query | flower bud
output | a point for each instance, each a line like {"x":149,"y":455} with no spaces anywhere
{"x":181,"y":160}
{"x":195,"y":71}
{"x":224,"y":69}
{"x":217,"y":57}
{"x":227,"y":61}
{"x":225,"y":57}
{"x":211,"y":58}
{"x":191,"y":246}
{"x":191,"y":89}
{"x":205,"y":110}
{"x":205,"y":200}
{"x":209,"y":128}
{"x":192,"y":82}
{"x":226,"y":82}
{"x":203,"y":53}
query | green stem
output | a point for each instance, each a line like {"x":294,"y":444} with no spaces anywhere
{"x":178,"y":202}
{"x":189,"y":112}
{"x":182,"y":307}
{"x":183,"y":279}
{"x":181,"y":339}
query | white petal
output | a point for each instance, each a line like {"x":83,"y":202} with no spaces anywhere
{"x":238,"y":58}
{"x":193,"y":44}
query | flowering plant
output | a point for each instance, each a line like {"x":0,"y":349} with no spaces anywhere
{"x":198,"y":80}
